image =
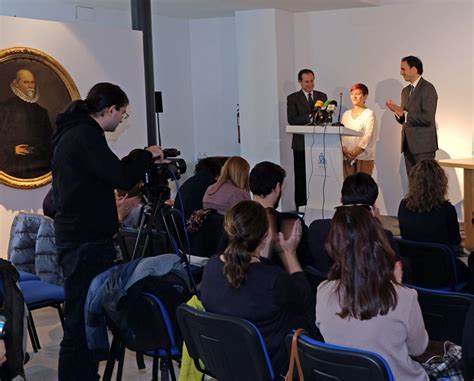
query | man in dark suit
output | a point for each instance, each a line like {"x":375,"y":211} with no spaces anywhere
{"x":416,"y":114}
{"x":299,"y":111}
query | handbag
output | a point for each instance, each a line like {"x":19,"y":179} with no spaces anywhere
{"x":448,"y":365}
{"x":295,"y":357}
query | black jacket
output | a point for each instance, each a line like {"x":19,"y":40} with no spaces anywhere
{"x":192,"y":191}
{"x":85,"y":174}
{"x":298,"y":112}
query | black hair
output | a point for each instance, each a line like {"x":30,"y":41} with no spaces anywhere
{"x":304,"y":71}
{"x":413,"y":61}
{"x":359,"y":188}
{"x":264,"y":177}
{"x":100,"y":96}
{"x":210,"y":164}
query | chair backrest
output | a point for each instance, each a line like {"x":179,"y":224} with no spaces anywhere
{"x":432,"y":264}
{"x":230,"y":348}
{"x":315,"y":277}
{"x":444,"y":313}
{"x":148,"y":325}
{"x":127,"y":238}
{"x":210,"y":237}
{"x":326,"y":362}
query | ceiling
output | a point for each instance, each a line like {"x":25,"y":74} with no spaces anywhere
{"x":221,"y":8}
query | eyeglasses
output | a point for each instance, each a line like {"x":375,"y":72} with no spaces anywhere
{"x":125,"y":115}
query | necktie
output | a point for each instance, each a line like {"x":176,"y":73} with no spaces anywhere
{"x":412,"y":90}
{"x":310,"y":99}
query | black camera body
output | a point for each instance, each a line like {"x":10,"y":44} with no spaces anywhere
{"x":155,"y":179}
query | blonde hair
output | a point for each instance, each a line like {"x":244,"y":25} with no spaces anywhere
{"x":236,"y":170}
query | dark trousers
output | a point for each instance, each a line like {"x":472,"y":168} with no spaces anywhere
{"x":299,"y":165}
{"x":412,"y":159}
{"x":80,"y":262}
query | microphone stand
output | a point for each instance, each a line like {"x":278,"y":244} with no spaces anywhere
{"x":338,"y":123}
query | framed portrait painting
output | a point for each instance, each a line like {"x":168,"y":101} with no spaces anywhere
{"x":34,"y":88}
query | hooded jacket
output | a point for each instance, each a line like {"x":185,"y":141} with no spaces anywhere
{"x":85,"y":174}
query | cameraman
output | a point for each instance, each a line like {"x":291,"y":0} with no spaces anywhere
{"x":85,"y":174}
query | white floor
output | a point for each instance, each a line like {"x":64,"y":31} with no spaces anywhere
{"x":43,"y":365}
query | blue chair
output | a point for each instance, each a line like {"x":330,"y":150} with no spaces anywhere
{"x":321,"y":361}
{"x":444,"y":313}
{"x":39,"y":294}
{"x":26,"y":276}
{"x":230,"y":349}
{"x":433,"y":265}
{"x":153,"y":335}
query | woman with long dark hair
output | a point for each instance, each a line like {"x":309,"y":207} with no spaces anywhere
{"x":425,"y":214}
{"x":363,"y":305}
{"x":239,"y":283}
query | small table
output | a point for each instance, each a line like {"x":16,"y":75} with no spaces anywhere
{"x":468,"y":166}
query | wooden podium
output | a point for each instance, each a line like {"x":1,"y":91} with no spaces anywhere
{"x":324,"y":173}
{"x":468,"y":166}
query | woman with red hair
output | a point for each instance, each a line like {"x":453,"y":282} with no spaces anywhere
{"x":359,"y":151}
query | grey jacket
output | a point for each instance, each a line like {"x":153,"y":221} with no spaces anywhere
{"x":32,"y":247}
{"x":419,"y":128}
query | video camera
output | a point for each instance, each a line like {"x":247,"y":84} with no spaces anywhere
{"x":155,"y":180}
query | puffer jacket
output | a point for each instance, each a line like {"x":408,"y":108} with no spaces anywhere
{"x":32,"y":247}
{"x":108,"y":289}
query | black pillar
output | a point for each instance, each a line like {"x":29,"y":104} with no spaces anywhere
{"x":141,"y":20}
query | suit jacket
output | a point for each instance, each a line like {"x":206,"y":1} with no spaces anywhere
{"x":298,"y":111}
{"x":419,"y":128}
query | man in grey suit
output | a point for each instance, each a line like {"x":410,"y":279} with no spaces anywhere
{"x":299,"y":110}
{"x":416,"y":114}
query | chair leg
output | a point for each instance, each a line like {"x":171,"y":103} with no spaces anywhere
{"x":171,"y":369}
{"x":60,"y":313}
{"x":33,"y":327}
{"x":140,"y":361}
{"x":156,"y":363}
{"x":164,"y":369}
{"x":32,"y":335}
{"x":121,"y":359}
{"x":109,"y":367}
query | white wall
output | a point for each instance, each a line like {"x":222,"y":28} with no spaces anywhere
{"x":214,"y":86}
{"x":258,"y":85}
{"x":173,"y":77}
{"x":365,"y":45}
{"x":90,"y":54}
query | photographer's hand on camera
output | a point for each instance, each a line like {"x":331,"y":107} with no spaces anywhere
{"x":288,"y":246}
{"x":157,"y":153}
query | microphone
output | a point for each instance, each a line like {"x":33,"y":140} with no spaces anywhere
{"x":316,"y":108}
{"x":317,"y":105}
{"x":332,"y":106}
{"x":322,"y":114}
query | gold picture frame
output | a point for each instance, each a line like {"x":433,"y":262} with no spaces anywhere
{"x":25,"y":151}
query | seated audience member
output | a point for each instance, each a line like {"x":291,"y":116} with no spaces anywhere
{"x":266,"y":183}
{"x":237,"y":283}
{"x":128,"y":208}
{"x":231,"y":187}
{"x":193,"y":189}
{"x":357,"y":189}
{"x":425,"y":214}
{"x":362,"y":304}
